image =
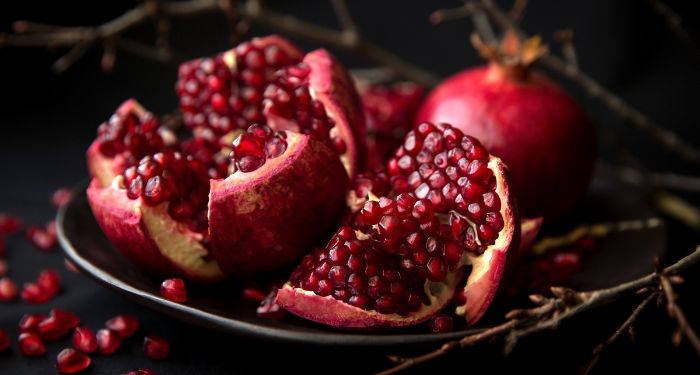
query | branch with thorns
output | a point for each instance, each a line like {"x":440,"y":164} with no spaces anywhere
{"x":549,"y":313}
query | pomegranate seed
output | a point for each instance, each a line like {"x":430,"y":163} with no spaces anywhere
{"x":84,"y":339}
{"x":441,"y":323}
{"x":61,"y":197}
{"x":40,"y":238}
{"x":174,"y":290}
{"x":155,"y":347}
{"x":371,"y":212}
{"x":125,"y":324}
{"x":108,"y":340}
{"x":35,"y":294}
{"x":50,"y":281}
{"x":252,"y":293}
{"x":4,"y":340}
{"x":29,"y":322}
{"x":52,"y":328}
{"x":8,"y":289}
{"x":269,"y":309}
{"x":10,"y":224}
{"x":29,"y":343}
{"x":69,"y":361}
{"x":68,"y":319}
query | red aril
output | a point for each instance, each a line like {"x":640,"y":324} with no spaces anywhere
{"x":50,"y":281}
{"x":29,"y":322}
{"x":525,"y":119}
{"x":441,"y":323}
{"x":52,"y":328}
{"x":29,"y":343}
{"x":155,"y":347}
{"x":252,"y":291}
{"x":84,"y":339}
{"x":70,"y":361}
{"x":125,"y":324}
{"x":268,"y":309}
{"x":174,"y":290}
{"x":34,"y":294}
{"x":61,"y":197}
{"x":10,"y":224}
{"x":108,"y":340}
{"x":8,"y":289}
{"x":41,"y":238}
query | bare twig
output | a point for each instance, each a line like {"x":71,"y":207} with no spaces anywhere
{"x":517,"y":12}
{"x":675,"y":312}
{"x":347,"y":24}
{"x":598,"y":351}
{"x":73,"y":55}
{"x":551,"y":312}
{"x":636,"y":177}
{"x":465,"y":11}
{"x":566,"y":39}
{"x":675,"y":23}
{"x":641,"y":122}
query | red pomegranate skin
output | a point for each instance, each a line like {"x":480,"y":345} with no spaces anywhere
{"x":528,"y":121}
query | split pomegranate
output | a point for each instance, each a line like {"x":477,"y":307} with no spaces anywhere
{"x":84,"y":339}
{"x":50,"y":281}
{"x":525,"y":119}
{"x":125,"y":324}
{"x":174,"y":290}
{"x":108,"y":341}
{"x":4,"y":340}
{"x":34,"y":294}
{"x":441,"y":323}
{"x":155,"y":347}
{"x":10,"y":224}
{"x":69,"y":361}
{"x":29,"y":343}
{"x":8,"y":289}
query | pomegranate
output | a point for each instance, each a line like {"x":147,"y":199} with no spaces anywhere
{"x":404,"y":265}
{"x":69,"y":361}
{"x":108,"y":341}
{"x":155,"y":347}
{"x":174,"y":290}
{"x":525,"y":119}
{"x":84,"y":339}
{"x":29,"y":343}
{"x":125,"y":324}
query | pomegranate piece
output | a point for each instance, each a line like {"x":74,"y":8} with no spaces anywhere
{"x":34,"y":294}
{"x":441,"y":323}
{"x":173,"y":290}
{"x":61,"y":197}
{"x":125,"y":324}
{"x":29,"y":343}
{"x":29,"y":322}
{"x":108,"y":340}
{"x":10,"y":224}
{"x":546,"y":139}
{"x":4,"y":340}
{"x":40,"y":238}
{"x":8,"y":289}
{"x":50,"y":281}
{"x":69,"y":361}
{"x":155,"y":347}
{"x":84,"y":339}
{"x":268,"y":309}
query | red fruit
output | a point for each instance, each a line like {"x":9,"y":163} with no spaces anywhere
{"x":252,"y":291}
{"x":4,"y":340}
{"x":174,"y":290}
{"x":8,"y":289}
{"x":29,"y":343}
{"x":41,"y":238}
{"x":84,"y":339}
{"x":269,"y":309}
{"x":50,"y":281}
{"x":108,"y":340}
{"x":10,"y":224}
{"x":155,"y":347}
{"x":69,"y":361}
{"x":34,"y":294}
{"x":125,"y":324}
{"x":527,"y":120}
{"x":441,"y":323}
{"x":58,"y":324}
{"x":61,"y":197}
{"x":29,"y":322}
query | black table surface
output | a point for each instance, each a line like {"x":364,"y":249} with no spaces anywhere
{"x":47,"y":122}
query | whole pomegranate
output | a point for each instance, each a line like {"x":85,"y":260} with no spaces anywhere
{"x":525,"y":119}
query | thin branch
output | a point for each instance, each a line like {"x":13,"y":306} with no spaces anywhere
{"x":73,"y":55}
{"x":636,"y":177}
{"x":517,"y":11}
{"x":641,"y":122}
{"x":675,"y":23}
{"x":598,"y":351}
{"x":675,"y":312}
{"x":568,"y":48}
{"x":347,"y":23}
{"x":465,"y":11}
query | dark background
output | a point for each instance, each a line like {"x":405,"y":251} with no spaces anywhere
{"x":47,"y":122}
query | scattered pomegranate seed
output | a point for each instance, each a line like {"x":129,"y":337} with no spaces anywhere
{"x":125,"y":324}
{"x":52,"y":328}
{"x":441,"y":323}
{"x":29,"y":343}
{"x":8,"y":289}
{"x":35,"y":294}
{"x":61,"y":197}
{"x":50,"y":281}
{"x":155,"y":347}
{"x":84,"y":339}
{"x":69,"y":361}
{"x":269,"y":309}
{"x":174,"y":290}
{"x":70,"y":266}
{"x":108,"y":341}
{"x":51,"y":229}
{"x":29,"y":322}
{"x":40,"y":238}
{"x":251,"y":291}
{"x":10,"y":224}
{"x":4,"y":340}
{"x":68,"y":319}
{"x":3,"y":268}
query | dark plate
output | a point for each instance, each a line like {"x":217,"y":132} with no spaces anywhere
{"x":623,"y":256}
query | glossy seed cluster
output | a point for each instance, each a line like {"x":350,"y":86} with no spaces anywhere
{"x":249,"y":151}
{"x":128,"y":132}
{"x":439,"y":163}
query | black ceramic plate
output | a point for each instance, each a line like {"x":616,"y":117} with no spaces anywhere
{"x":623,"y":256}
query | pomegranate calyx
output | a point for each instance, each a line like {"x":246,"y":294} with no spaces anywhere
{"x":512,"y":55}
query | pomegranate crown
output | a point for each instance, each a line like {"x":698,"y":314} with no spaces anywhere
{"x":511,"y":53}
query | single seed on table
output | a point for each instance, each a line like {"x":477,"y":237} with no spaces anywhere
{"x":174,"y":290}
{"x":70,"y":361}
{"x":155,"y":347}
